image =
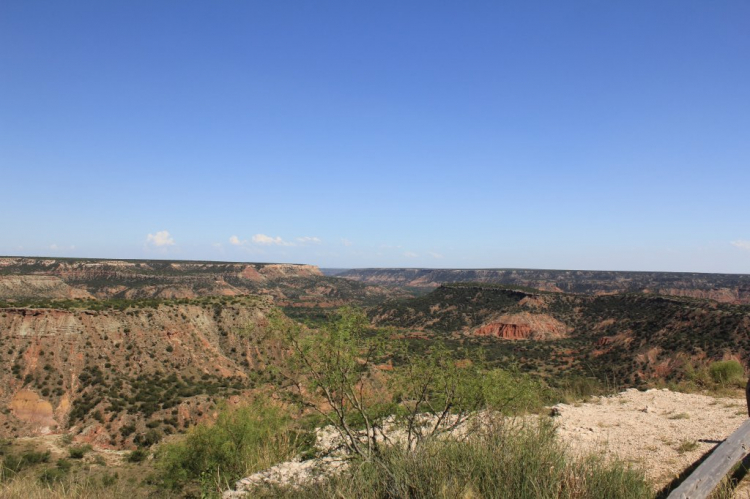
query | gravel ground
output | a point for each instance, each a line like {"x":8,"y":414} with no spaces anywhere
{"x":661,"y":430}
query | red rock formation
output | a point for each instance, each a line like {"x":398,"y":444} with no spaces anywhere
{"x":504,"y":331}
{"x":522,"y":326}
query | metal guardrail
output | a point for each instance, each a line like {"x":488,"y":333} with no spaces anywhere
{"x":707,"y":476}
{"x":704,"y":479}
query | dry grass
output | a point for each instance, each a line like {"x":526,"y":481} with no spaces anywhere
{"x":74,"y":487}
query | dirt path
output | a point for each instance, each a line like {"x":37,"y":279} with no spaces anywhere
{"x":664,"y":431}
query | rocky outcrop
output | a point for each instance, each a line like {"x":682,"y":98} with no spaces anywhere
{"x":523,"y":326}
{"x":505,"y":331}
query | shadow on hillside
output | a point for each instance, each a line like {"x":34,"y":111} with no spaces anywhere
{"x":735,"y":477}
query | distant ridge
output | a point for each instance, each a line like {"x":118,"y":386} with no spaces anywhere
{"x":32,"y":278}
{"x":725,"y":288}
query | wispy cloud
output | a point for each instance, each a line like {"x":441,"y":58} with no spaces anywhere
{"x":161,"y":239}
{"x":410,"y":254}
{"x":745,"y":245}
{"x":309,"y":240}
{"x":436,"y":255}
{"x":268,"y":240}
{"x":264,"y":240}
{"x":346,"y":242}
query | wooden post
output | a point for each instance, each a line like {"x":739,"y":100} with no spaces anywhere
{"x":707,"y":476}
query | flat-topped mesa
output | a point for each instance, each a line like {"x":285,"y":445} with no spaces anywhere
{"x":85,"y":268}
{"x":49,"y":278}
{"x":290,"y":270}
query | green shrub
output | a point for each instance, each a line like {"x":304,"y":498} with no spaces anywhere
{"x":64,"y":465}
{"x":49,"y":476}
{"x":109,"y":480}
{"x":575,"y":388}
{"x":14,"y":463}
{"x":727,"y":372}
{"x":241,"y":441}
{"x":151,"y":437}
{"x":137,"y":456}
{"x":79,"y":451}
{"x":695,"y":377}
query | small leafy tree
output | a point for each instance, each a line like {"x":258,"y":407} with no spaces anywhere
{"x":511,"y":392}
{"x":335,"y":371}
{"x":331,"y":371}
{"x":436,"y":393}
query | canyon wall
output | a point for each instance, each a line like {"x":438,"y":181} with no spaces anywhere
{"x":110,"y":372}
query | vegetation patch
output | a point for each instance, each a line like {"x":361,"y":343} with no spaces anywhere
{"x":506,"y":461}
{"x":242,"y":440}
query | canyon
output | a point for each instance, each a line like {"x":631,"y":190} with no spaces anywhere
{"x":122,"y":352}
{"x":632,"y":338}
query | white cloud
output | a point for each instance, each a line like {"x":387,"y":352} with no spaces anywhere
{"x":161,"y":239}
{"x":264,"y":239}
{"x":436,"y":255}
{"x":745,"y":245}
{"x":308,"y":239}
{"x":346,"y":242}
{"x":54,"y":246}
{"x":410,"y":254}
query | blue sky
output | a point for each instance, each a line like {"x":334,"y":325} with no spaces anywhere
{"x":587,"y":135}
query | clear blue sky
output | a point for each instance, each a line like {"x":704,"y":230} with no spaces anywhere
{"x":588,"y":135}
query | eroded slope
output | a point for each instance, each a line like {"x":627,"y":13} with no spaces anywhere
{"x":124,"y":375}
